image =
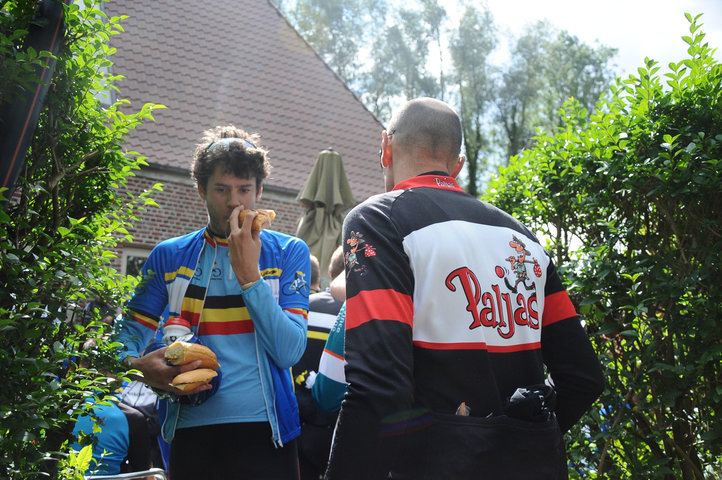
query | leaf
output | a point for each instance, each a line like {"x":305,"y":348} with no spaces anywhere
{"x":85,"y":456}
{"x":607,"y":328}
{"x":591,"y":300}
{"x":629,"y":333}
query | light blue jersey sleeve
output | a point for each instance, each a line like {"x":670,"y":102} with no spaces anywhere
{"x":281,"y":324}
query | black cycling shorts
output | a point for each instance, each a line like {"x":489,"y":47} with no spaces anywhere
{"x":233,"y":450}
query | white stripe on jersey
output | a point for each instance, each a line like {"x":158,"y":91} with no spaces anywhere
{"x":331,"y":366}
{"x":274,"y":283}
{"x":321,"y":320}
{"x":176,"y":291}
{"x":441,"y":260}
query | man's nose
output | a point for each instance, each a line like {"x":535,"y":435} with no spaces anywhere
{"x":235,"y":199}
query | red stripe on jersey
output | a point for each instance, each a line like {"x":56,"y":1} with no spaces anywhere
{"x":429,"y":180}
{"x":522,"y":347}
{"x":215,"y":240}
{"x":226,"y":328}
{"x":451,"y":346}
{"x":557,"y":306}
{"x":298,"y":311}
{"x":145,"y":323}
{"x":478,"y":346}
{"x":192,"y":317}
{"x":379,"y":305}
{"x":336,"y":355}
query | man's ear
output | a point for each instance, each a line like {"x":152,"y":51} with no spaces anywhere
{"x":202,"y":192}
{"x":458,"y":165}
{"x":260,"y":192}
{"x":386,"y":154}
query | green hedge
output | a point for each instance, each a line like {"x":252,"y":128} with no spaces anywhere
{"x":57,"y":234}
{"x":630,"y":204}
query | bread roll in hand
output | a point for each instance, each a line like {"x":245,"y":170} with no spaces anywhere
{"x":186,"y":382}
{"x":262,"y":220}
{"x":182,"y":353}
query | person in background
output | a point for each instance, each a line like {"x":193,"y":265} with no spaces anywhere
{"x":329,"y":386}
{"x":245,"y":294}
{"x":124,"y":438}
{"x":324,"y":306}
{"x":315,"y":276}
{"x":316,"y":426}
{"x":465,"y":357}
{"x":100,"y":308}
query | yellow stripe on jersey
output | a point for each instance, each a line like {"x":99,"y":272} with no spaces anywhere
{"x":144,"y":319}
{"x":194,"y":305}
{"x":219,"y":315}
{"x":317,"y":335}
{"x":271,"y":272}
{"x":184,"y":271}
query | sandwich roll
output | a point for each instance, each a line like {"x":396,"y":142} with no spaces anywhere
{"x":182,"y":353}
{"x":262,"y":220}
{"x":187,"y":381}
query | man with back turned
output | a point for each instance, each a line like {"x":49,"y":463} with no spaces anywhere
{"x":465,"y":357}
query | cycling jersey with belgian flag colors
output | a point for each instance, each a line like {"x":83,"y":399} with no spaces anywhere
{"x":256,"y":341}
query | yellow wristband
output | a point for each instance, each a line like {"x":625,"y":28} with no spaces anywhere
{"x":248,"y":285}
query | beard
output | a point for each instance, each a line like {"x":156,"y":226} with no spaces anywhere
{"x":218,"y":221}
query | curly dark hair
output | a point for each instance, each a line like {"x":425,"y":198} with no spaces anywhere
{"x":235,"y":150}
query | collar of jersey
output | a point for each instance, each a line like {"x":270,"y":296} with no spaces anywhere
{"x":214,"y":240}
{"x":430,"y":179}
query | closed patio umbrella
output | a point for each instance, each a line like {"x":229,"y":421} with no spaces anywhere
{"x":326,"y":196}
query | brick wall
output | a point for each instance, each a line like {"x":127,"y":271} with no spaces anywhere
{"x":180,"y":210}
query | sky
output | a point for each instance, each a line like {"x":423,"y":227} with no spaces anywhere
{"x":637,"y":28}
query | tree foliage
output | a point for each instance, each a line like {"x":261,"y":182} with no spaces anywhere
{"x":408,"y":42}
{"x":57,"y":232}
{"x":471,"y":45}
{"x":547,"y":68}
{"x":398,"y":60}
{"x":335,"y":30}
{"x":636,"y":186}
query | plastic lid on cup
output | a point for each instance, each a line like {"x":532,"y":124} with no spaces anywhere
{"x":177,"y":321}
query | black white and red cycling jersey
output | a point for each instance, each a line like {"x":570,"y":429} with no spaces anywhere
{"x":450,"y":300}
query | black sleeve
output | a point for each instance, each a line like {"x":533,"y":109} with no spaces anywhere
{"x":574,"y":368}
{"x":378,"y":350}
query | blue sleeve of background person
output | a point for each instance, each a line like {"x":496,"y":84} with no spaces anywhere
{"x":112,"y":441}
{"x":283,"y":333}
{"x":141,"y":315}
{"x":328,"y":393}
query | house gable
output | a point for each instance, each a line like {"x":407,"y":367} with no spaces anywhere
{"x":234,"y":62}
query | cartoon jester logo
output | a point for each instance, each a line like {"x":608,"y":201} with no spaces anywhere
{"x":358,"y":245}
{"x":517,"y":265}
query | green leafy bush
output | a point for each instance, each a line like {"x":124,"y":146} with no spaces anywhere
{"x":57,"y":233}
{"x":631,"y":205}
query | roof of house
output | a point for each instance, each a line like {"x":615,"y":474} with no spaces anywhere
{"x":239,"y":62}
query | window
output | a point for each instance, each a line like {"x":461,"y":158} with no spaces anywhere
{"x":133,"y":260}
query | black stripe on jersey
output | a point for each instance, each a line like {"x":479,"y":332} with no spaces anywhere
{"x":431,"y":205}
{"x":195,"y":292}
{"x":224,"y":301}
{"x":481,"y":379}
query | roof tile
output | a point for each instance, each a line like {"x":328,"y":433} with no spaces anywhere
{"x":239,"y":62}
